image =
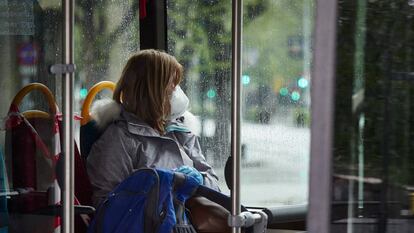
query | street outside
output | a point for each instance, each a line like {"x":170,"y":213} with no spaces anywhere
{"x":275,"y":166}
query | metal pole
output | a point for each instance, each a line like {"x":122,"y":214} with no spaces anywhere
{"x":68,"y":143}
{"x":322,"y":96}
{"x":235,"y":114}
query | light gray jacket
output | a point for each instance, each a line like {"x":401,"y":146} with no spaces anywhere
{"x":128,"y":144}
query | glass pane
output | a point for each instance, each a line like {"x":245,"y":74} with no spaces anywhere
{"x":276,"y":102}
{"x":276,"y":82}
{"x":373,"y":182}
{"x":199,"y":35}
{"x":30,"y":41}
{"x":106,"y":34}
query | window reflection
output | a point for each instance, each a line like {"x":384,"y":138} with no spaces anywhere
{"x":30,"y":41}
{"x":372,"y":180}
{"x":31,"y":33}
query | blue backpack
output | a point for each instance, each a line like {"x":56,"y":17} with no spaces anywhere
{"x":145,"y":202}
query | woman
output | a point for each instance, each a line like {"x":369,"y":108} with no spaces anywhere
{"x":144,"y":126}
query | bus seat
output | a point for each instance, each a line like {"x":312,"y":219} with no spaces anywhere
{"x":89,"y":132}
{"x":28,"y":151}
{"x":32,"y":151}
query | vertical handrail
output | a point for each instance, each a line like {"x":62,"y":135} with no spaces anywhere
{"x":68,"y":140}
{"x":235,"y":113}
{"x":322,"y":95}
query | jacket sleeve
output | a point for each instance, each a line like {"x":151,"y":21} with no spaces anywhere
{"x":193,"y":149}
{"x":108,"y":163}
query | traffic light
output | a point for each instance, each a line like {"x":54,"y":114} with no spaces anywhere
{"x":83,"y":93}
{"x":295,"y":96}
{"x":211,"y":93}
{"x":283,"y":91}
{"x":245,"y":79}
{"x":303,"y":83}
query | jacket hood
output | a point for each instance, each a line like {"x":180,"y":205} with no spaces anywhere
{"x":105,"y":111}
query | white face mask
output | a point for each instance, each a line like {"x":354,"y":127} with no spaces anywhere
{"x":179,"y":103}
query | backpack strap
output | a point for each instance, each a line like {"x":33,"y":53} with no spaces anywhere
{"x":184,"y":187}
{"x":152,"y":219}
{"x":100,"y":218}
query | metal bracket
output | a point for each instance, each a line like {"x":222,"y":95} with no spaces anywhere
{"x":246,"y":219}
{"x":238,"y":220}
{"x":261,"y":226}
{"x":62,"y":68}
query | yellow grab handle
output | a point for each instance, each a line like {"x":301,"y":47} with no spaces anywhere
{"x":36,"y":114}
{"x":36,"y":86}
{"x":91,"y":96}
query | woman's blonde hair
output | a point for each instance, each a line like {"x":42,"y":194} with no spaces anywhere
{"x":146,"y":85}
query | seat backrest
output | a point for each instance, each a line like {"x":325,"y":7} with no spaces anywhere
{"x":31,"y":152}
{"x":30,"y":142}
{"x":89,"y":132}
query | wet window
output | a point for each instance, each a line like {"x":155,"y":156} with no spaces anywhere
{"x":30,"y":41}
{"x":31,"y":35}
{"x":276,"y":59}
{"x":106,"y":34}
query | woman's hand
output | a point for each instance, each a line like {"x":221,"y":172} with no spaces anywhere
{"x":192,"y":172}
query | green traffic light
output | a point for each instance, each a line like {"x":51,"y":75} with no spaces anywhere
{"x":303,"y":83}
{"x":83,"y":93}
{"x":283,"y":91}
{"x":245,"y":79}
{"x":295,"y":96}
{"x":211,"y":93}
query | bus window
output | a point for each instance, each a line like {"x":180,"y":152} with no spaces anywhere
{"x":106,"y":34}
{"x":373,"y":179}
{"x":30,"y":41}
{"x":276,"y":58}
{"x":199,"y":35}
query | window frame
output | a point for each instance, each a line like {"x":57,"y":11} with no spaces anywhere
{"x":322,"y":109}
{"x":153,"y":25}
